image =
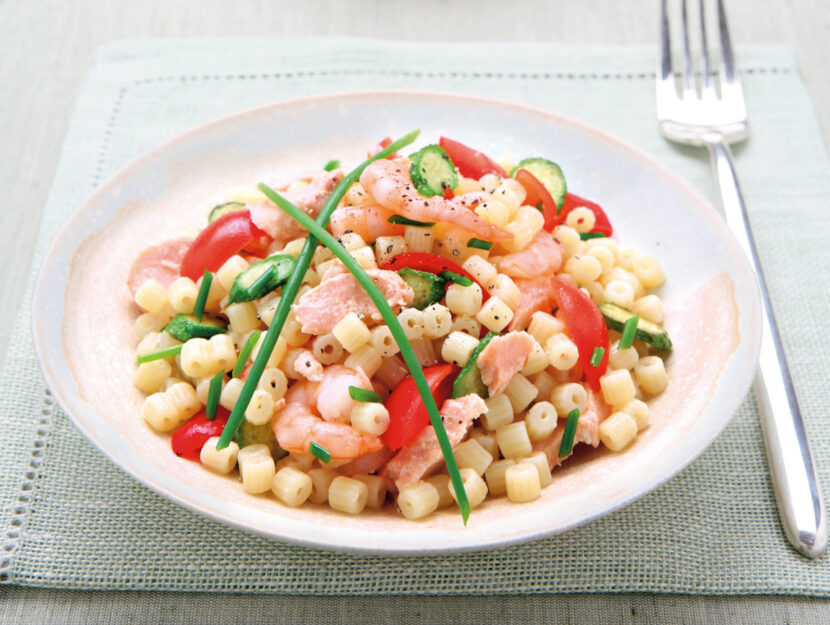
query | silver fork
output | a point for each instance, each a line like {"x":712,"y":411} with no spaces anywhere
{"x":714,"y":116}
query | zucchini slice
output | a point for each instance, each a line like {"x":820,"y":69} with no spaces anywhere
{"x":223,"y":209}
{"x":432,"y":171}
{"x":469,"y":380}
{"x":261,"y":278}
{"x":549,"y":174}
{"x":615,"y":317}
{"x":250,"y":434}
{"x":185,"y":327}
{"x":428,"y":287}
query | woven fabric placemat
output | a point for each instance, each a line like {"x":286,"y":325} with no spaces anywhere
{"x":69,"y":518}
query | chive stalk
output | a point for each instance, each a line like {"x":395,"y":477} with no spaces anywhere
{"x":362,"y":395}
{"x":397,"y":332}
{"x":584,"y":236}
{"x":406,"y":221}
{"x":457,"y":278}
{"x":567,"y":443}
{"x":628,"y":332}
{"x":596,"y":356}
{"x":214,"y":391}
{"x":201,"y":298}
{"x":159,"y":354}
{"x":319,"y":452}
{"x":246,"y":350}
{"x":479,"y":244}
{"x":290,"y":288}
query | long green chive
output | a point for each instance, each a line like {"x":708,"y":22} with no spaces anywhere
{"x":214,"y":391}
{"x":567,"y":443}
{"x":405,"y":221}
{"x":290,"y":288}
{"x":457,"y":278}
{"x":596,"y":357}
{"x":159,"y":354}
{"x":628,"y":332}
{"x":201,"y":298}
{"x":332,"y":164}
{"x":245,"y":352}
{"x":319,"y":452}
{"x":591,"y":235}
{"x":361,"y":394}
{"x":479,"y":244}
{"x":397,"y":333}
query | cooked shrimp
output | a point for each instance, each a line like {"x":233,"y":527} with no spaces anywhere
{"x":370,"y":222}
{"x":332,"y":395}
{"x":542,"y":256}
{"x":388,"y":182}
{"x":297,"y":425}
{"x":308,"y":366}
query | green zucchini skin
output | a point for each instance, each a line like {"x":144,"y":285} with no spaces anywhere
{"x":428,"y":287}
{"x":432,"y":172}
{"x":250,"y":434}
{"x":252,"y":284}
{"x":469,"y":380}
{"x":184,"y":327}
{"x":223,"y":209}
{"x":549,"y":174}
{"x":615,"y":317}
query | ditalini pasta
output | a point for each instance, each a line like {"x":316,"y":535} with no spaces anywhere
{"x":536,"y":330}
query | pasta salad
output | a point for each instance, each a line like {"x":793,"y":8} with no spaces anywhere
{"x":481,"y":291}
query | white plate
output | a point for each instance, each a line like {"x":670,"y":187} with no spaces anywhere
{"x":83,"y":315}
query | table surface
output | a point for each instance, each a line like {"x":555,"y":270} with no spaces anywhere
{"x":47,"y":47}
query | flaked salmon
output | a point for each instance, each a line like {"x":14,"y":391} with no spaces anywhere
{"x":502,"y":358}
{"x":159,"y":262}
{"x":309,"y":199}
{"x":422,"y":457}
{"x":321,"y":308}
{"x":541,"y":257}
{"x":537,"y":294}
{"x":587,"y":429}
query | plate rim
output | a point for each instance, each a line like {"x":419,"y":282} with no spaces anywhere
{"x":652,"y":163}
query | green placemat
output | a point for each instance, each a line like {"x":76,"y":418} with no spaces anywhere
{"x":69,"y":518}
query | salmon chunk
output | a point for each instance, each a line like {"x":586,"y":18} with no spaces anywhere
{"x":321,"y":308}
{"x":159,"y":262}
{"x":587,"y":429}
{"x":537,"y":294}
{"x":310,"y":199}
{"x":541,"y":257}
{"x":422,"y":457}
{"x":503,"y":358}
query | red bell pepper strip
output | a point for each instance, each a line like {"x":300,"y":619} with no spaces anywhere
{"x":538,"y":196}
{"x":471,"y":163}
{"x":220,"y":240}
{"x":189,"y":439}
{"x":602,"y":224}
{"x":586,"y":327}
{"x":407,"y":413}
{"x":430,"y":263}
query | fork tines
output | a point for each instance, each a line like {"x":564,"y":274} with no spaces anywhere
{"x":727,"y":76}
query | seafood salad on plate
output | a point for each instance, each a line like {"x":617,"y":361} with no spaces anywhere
{"x":465,"y":323}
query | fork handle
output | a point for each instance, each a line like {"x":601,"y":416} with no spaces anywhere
{"x":794,"y":476}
